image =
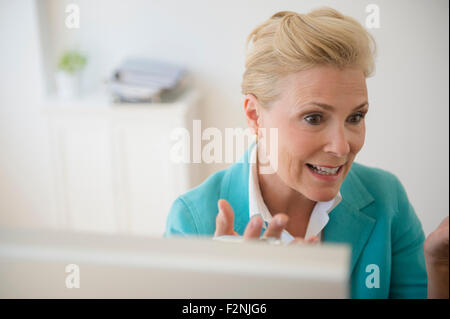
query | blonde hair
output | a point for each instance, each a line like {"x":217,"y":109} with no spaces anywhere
{"x":290,"y":42}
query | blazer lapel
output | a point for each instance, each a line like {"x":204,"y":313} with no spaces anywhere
{"x":348,"y":224}
{"x":234,"y":189}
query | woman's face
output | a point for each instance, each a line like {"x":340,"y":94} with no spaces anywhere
{"x":320,"y":120}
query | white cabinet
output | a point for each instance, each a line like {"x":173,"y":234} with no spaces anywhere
{"x":111,"y":163}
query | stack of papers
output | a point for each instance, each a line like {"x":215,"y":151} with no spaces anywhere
{"x":144,"y":80}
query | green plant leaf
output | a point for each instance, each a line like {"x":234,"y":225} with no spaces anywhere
{"x":72,"y":61}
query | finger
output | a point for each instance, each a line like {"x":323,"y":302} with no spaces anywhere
{"x":253,"y":229}
{"x":310,"y":240}
{"x":224,"y":219}
{"x":444,"y":223}
{"x":276,"y":226}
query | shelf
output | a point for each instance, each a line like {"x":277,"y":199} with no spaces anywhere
{"x":100,"y":103}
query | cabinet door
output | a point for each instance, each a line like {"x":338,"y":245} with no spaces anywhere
{"x":144,"y":176}
{"x":83,"y":169}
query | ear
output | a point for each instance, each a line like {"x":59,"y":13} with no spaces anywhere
{"x":252,"y":112}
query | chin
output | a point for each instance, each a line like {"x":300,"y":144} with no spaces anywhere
{"x":323,"y":196}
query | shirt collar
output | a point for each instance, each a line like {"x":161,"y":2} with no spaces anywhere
{"x":319,"y":216}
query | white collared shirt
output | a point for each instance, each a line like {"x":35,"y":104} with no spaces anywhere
{"x":319,"y":216}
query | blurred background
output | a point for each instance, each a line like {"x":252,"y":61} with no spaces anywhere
{"x":72,"y":157}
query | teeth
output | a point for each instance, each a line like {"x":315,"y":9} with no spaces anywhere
{"x":325,"y":170}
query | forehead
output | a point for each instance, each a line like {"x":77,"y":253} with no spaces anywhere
{"x":325,"y":83}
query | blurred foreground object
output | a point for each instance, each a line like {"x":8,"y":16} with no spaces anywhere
{"x":37,"y":264}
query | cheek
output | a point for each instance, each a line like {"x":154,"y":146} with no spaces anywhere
{"x":357,"y":142}
{"x":295,"y":149}
{"x":299,"y":144}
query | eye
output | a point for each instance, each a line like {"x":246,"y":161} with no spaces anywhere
{"x":313,"y":119}
{"x":357,"y":117}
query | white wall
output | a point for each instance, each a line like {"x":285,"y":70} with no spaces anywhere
{"x":407,"y":128}
{"x":25,"y":172}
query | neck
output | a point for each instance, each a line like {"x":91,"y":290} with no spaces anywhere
{"x":280,"y":198}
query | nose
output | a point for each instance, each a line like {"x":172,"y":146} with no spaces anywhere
{"x":338,"y":142}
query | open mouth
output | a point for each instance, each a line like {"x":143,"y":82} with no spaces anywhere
{"x":322,"y":170}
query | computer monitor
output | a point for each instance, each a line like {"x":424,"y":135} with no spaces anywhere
{"x":51,"y":264}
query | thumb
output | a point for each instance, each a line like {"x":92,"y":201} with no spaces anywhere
{"x":224,"y":219}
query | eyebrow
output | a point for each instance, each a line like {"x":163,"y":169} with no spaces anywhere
{"x":330,"y":108}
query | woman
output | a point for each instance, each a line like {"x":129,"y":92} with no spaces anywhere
{"x":305,"y":76}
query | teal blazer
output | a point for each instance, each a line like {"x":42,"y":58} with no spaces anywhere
{"x":374,"y":217}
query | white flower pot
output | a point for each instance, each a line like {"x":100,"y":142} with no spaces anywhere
{"x":68,"y":85}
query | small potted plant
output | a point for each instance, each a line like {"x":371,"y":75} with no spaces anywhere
{"x":68,"y":75}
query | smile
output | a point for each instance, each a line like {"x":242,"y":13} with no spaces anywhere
{"x":325,"y":171}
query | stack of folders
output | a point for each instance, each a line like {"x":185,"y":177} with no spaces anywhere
{"x":142,"y":80}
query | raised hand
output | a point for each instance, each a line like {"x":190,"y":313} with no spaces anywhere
{"x":436,"y":257}
{"x":225,"y":225}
